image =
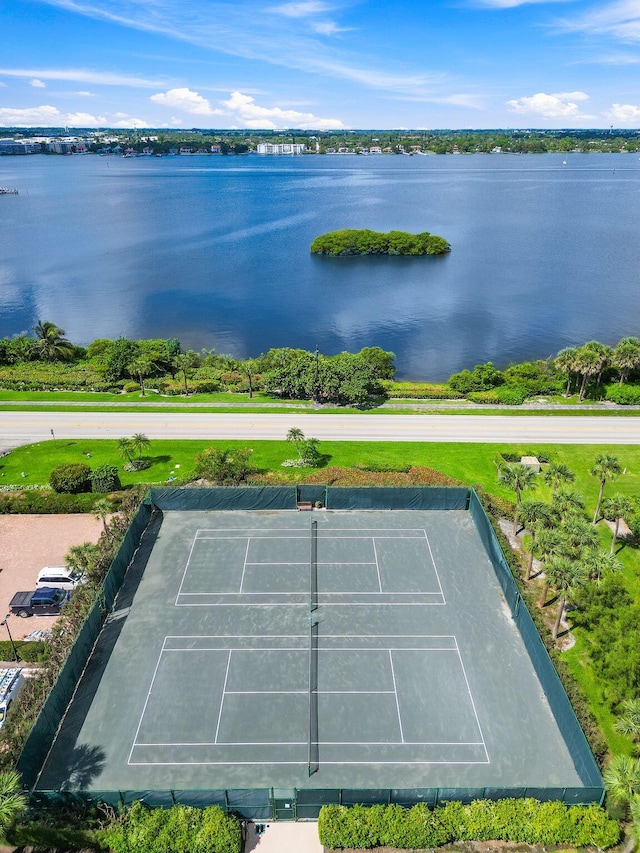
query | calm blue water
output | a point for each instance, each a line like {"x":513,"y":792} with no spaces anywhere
{"x":215,"y":251}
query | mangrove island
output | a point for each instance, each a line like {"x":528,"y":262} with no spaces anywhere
{"x":350,"y":241}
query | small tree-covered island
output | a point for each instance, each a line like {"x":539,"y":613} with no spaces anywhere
{"x":351,"y":241}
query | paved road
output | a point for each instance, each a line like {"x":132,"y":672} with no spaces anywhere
{"x":17,"y":428}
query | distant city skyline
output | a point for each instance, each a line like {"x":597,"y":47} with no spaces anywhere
{"x":319,"y":64}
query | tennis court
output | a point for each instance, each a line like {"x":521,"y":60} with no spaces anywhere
{"x":332,"y":649}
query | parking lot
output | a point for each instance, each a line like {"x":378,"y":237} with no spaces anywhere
{"x":29,"y":542}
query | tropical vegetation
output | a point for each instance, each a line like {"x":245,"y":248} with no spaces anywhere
{"x":350,"y":241}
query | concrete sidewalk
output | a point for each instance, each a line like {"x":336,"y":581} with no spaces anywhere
{"x":284,"y":838}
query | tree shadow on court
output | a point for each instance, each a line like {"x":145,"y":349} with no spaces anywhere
{"x":69,"y":760}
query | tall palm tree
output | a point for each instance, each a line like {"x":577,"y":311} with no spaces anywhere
{"x":566,"y":502}
{"x":534,"y":515}
{"x":580,"y":534}
{"x":605,"y":467}
{"x":51,"y":344}
{"x":557,"y":474}
{"x":141,"y":367}
{"x":296,"y":437}
{"x":565,"y":576}
{"x":102,"y":509}
{"x":139,"y":442}
{"x":13,"y":801}
{"x":550,"y":545}
{"x":519,"y":478}
{"x":125,"y":448}
{"x":185,"y":363}
{"x":626,"y":357}
{"x":599,"y":564}
{"x":565,"y":361}
{"x":249,"y":368}
{"x":614,"y":509}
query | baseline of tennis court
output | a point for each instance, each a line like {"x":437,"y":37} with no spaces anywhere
{"x":247,"y":652}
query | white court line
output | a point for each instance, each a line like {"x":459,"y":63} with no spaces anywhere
{"x":244,"y":566}
{"x":224,"y":686}
{"x":435,"y":568}
{"x":321,"y":649}
{"x":290,"y":763}
{"x":327,"y":603}
{"x":327,"y":594}
{"x":186,"y":568}
{"x":395,"y":691}
{"x":146,"y":702}
{"x":473,"y":704}
{"x":302,"y":563}
{"x":326,"y":743}
{"x":304,"y":692}
{"x":375,"y":553}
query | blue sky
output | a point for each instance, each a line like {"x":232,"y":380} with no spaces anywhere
{"x":320,"y":64}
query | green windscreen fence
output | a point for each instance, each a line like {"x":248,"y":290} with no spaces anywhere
{"x":46,"y":725}
{"x":558,"y":701}
{"x":384,"y":497}
{"x":227,"y":497}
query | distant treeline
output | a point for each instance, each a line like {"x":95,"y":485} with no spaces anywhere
{"x":351,"y":241}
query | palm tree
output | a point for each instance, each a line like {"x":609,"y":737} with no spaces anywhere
{"x":51,"y":344}
{"x":564,"y":575}
{"x":587,"y":363}
{"x":566,"y":502}
{"x":141,"y":367}
{"x":622,"y":779}
{"x":517,"y":477}
{"x":557,"y":474}
{"x":533,"y":515}
{"x":614,"y":509}
{"x":249,"y":368}
{"x":580,"y":534}
{"x":605,"y":467}
{"x":629,"y":723}
{"x":634,"y":813}
{"x":139,"y":442}
{"x":564,"y":362}
{"x":296,"y":436}
{"x":599,"y":564}
{"x":626,"y":357}
{"x":185,"y":362}
{"x":13,"y":801}
{"x":125,"y":449}
{"x":102,"y":509}
{"x":550,"y":544}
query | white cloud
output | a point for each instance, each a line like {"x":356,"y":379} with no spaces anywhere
{"x":185,"y":99}
{"x":246,"y":113}
{"x":129,"y":122}
{"x":329,"y":28}
{"x":561,"y":105}
{"x":85,"y":120}
{"x":84,"y":94}
{"x":302,"y":9}
{"x":81,"y":75}
{"x":45,"y":116}
{"x":621,"y":114}
{"x":511,"y":4}
{"x":620,"y":19}
{"x":38,"y":84}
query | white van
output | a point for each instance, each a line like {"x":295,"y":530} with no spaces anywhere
{"x":57,"y":577}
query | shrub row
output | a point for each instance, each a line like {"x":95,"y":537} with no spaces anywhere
{"x":72,"y":478}
{"x":503,"y":395}
{"x":524,"y":821}
{"x":417,"y":475}
{"x":29,"y":502}
{"x":623,"y":395}
{"x":30,"y":651}
{"x":172,"y":830}
{"x":419,"y":391}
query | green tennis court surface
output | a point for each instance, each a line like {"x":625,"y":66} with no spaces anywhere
{"x":235,"y":660}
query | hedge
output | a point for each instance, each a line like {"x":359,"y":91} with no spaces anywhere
{"x":34,"y":503}
{"x":524,"y":821}
{"x":623,"y":395}
{"x":174,"y":830}
{"x":419,"y":391}
{"x":503,"y":395}
{"x":29,"y":651}
{"x":71,"y":478}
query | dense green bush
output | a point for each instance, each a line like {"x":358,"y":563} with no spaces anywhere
{"x":624,"y":395}
{"x":30,"y":651}
{"x":224,"y":467}
{"x":29,"y":503}
{"x":105,"y":478}
{"x":175,"y":830}
{"x":525,"y":821}
{"x":420,"y":391}
{"x":350,"y":241}
{"x":71,"y":478}
{"x":503,"y":395}
{"x":483,"y":377}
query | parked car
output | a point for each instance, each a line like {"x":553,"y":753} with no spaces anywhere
{"x":57,"y":577}
{"x":40,"y":602}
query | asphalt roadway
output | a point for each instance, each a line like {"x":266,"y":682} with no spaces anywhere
{"x":18,"y":428}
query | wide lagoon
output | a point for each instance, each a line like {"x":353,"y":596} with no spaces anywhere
{"x":215,"y":251}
